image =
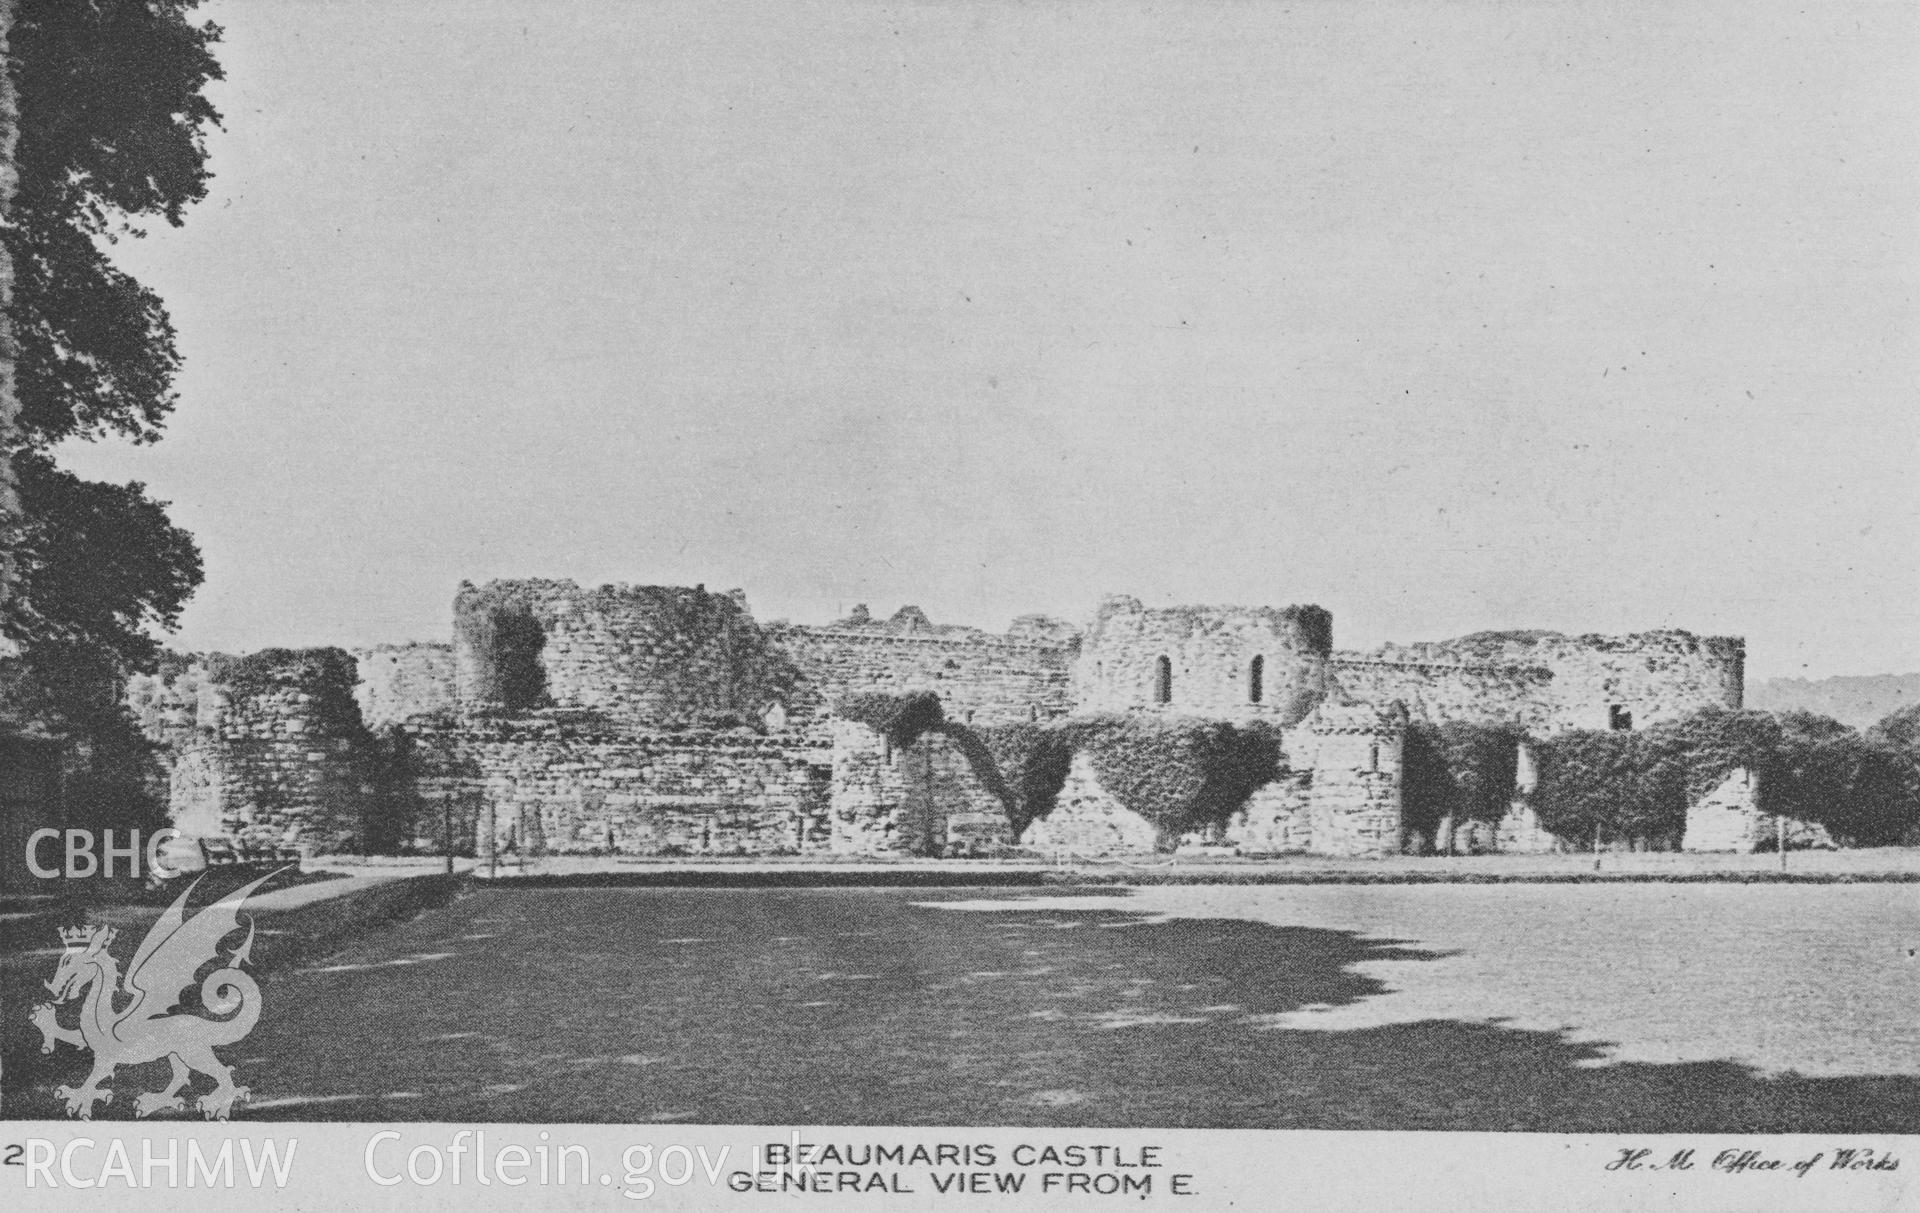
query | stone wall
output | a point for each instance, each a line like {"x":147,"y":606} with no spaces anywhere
{"x":642,"y":656}
{"x":1354,"y":807}
{"x":268,"y":748}
{"x":436,"y":790}
{"x":1729,"y":818}
{"x":922,"y":799}
{"x":402,"y":682}
{"x":197,"y":791}
{"x":1342,"y":798}
{"x":550,"y":787}
{"x":1275,"y":820}
{"x":1088,"y":822}
{"x":1597,"y":682}
{"x":1238,"y":662}
{"x":1519,"y":832}
{"x":962,"y":816}
{"x":867,"y":800}
{"x":1655,"y":676}
{"x":176,"y":705}
{"x":981,"y":678}
{"x":1441,"y":691}
{"x":664,"y":720}
{"x":294,"y":751}
{"x":1202,"y":659}
{"x":311,"y":793}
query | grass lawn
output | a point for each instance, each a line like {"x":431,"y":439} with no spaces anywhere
{"x":1648,"y":1008}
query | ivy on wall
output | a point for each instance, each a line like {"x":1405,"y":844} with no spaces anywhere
{"x":1899,"y":728}
{"x":270,"y":669}
{"x":1865,"y":789}
{"x":901,"y":719}
{"x":1612,"y":785}
{"x":905,"y":719}
{"x":498,"y":626}
{"x":1457,"y":771}
{"x":1715,"y":742}
{"x":388,"y":815}
{"x":1178,"y":772}
{"x":1032,"y":760}
{"x":326,"y":676}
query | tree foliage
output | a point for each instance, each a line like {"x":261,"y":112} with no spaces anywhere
{"x":905,"y":718}
{"x":1900,"y":728}
{"x":1178,"y":772}
{"x":1714,"y":742}
{"x":1458,"y":770}
{"x":1617,"y":785}
{"x":112,"y":125}
{"x":100,"y":565}
{"x":1800,"y":727}
{"x":901,"y":719}
{"x":1864,"y":789}
{"x":1033,"y":760}
{"x":507,"y":641}
{"x":110,"y":777}
{"x":324,"y":677}
{"x":112,"y":133}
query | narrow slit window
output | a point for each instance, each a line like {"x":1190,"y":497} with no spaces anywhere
{"x":1256,"y":679}
{"x":1163,"y":680}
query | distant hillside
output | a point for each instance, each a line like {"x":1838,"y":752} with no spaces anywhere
{"x":1858,"y":700}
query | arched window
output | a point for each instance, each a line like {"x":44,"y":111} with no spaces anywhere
{"x":1163,"y":680}
{"x":1256,"y":679}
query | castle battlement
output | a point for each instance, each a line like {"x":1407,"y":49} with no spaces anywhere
{"x":667,"y":720}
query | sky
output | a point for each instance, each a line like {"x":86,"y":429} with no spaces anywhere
{"x":1588,"y":316}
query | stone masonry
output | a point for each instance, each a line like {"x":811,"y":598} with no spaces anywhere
{"x":1548,"y":682}
{"x":643,"y":656}
{"x":981,"y":678}
{"x":284,"y":762}
{"x":1234,"y":662}
{"x":1089,"y":823}
{"x":405,"y":682}
{"x":659,"y":720}
{"x":1343,"y":798}
{"x":1729,"y":818}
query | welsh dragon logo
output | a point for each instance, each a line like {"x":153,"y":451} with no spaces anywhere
{"x":163,"y":968}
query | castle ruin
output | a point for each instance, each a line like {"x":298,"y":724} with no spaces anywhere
{"x":663,"y":721}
